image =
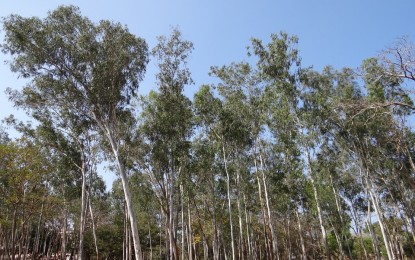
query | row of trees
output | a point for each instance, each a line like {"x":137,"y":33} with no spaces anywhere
{"x":275,"y":161}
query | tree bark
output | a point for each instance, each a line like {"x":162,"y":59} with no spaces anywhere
{"x":274,"y":237}
{"x":126,"y":187}
{"x":83,"y":213}
{"x":189,"y":232}
{"x":36,"y":243}
{"x":379,"y":213}
{"x":129,"y":204}
{"x":228,"y":188}
{"x":64,"y":228}
{"x":182,"y":219}
{"x":261,"y":203}
{"x":241,"y":248}
{"x":339,"y":211}
{"x":316,"y":198}
{"x":248,"y":233}
{"x":94,"y":233}
{"x":300,"y":233}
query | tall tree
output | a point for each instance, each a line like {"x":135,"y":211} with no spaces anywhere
{"x":167,"y":127}
{"x":81,"y":68}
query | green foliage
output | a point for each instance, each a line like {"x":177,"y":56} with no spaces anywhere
{"x":284,"y":156}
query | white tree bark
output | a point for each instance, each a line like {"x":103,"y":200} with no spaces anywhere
{"x":229,"y":201}
{"x":316,"y":198}
{"x":83,"y":215}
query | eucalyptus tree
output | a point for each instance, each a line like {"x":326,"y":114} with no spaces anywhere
{"x":241,"y":91}
{"x":82,"y":69}
{"x":361,"y":122}
{"x":207,"y":167}
{"x":229,"y":135}
{"x":166,"y":129}
{"x":279,"y":67}
{"x":299,"y":104}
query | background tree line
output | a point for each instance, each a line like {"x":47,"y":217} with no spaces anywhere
{"x":274,"y":161}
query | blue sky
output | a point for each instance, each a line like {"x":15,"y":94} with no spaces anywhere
{"x":331,"y":32}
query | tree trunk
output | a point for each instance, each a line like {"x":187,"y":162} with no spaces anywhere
{"x":189,"y":231}
{"x":300,"y":233}
{"x":13,"y":240}
{"x":248,"y":233}
{"x":151,"y":243}
{"x":228,"y":188}
{"x":339,"y":211}
{"x":385,"y":234}
{"x":83,"y":214}
{"x":64,"y":228}
{"x":126,"y":188}
{"x":182,"y":219}
{"x":316,"y":198}
{"x":172,"y":237}
{"x":338,"y":240}
{"x":274,"y":237}
{"x":372,"y":233}
{"x":241,"y":248}
{"x":94,"y":233}
{"x":261,"y":202}
{"x":36,"y":244}
{"x":26,"y":243}
{"x":215,"y":242}
{"x":130,"y":208}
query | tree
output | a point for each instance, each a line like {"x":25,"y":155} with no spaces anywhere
{"x":167,"y":127}
{"x":83,"y":69}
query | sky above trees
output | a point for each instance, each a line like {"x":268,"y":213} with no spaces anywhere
{"x":336,"y":33}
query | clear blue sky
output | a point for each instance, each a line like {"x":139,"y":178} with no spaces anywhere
{"x":331,"y":32}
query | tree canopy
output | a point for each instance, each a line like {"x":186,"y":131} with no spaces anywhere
{"x":272,"y":161}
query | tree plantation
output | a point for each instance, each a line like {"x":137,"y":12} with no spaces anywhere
{"x":274,"y":161}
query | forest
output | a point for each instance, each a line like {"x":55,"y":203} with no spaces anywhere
{"x":273,"y":161}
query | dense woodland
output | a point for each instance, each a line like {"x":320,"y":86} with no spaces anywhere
{"x":273,"y":161}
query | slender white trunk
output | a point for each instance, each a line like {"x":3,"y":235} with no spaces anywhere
{"x":339,"y":211}
{"x":316,"y":198}
{"x":172,"y":238}
{"x":182,"y":219}
{"x":338,"y":240}
{"x":229,"y":202}
{"x":37,"y":236}
{"x":300,"y":233}
{"x":83,"y":215}
{"x":248,"y":235}
{"x":129,"y":204}
{"x":270,"y":219}
{"x":151,"y":243}
{"x":216,"y":250}
{"x":93,"y":228}
{"x":64,"y":227}
{"x":261,"y":202}
{"x":189,"y":231}
{"x":379,"y":213}
{"x":124,"y":242}
{"x":26,"y":244}
{"x":238,"y":203}
{"x":372,"y":233}
{"x":126,"y":188}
